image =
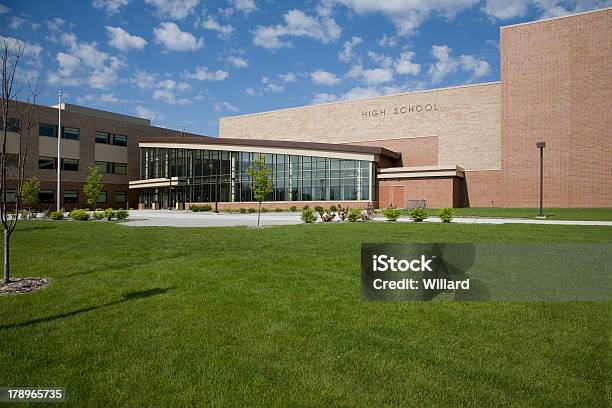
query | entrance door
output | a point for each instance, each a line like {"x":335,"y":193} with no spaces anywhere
{"x":397,"y":197}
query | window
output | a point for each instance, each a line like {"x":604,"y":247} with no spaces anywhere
{"x":46,"y":196}
{"x":119,"y":168}
{"x":102,"y":197}
{"x":12,"y":160}
{"x":120,"y":140}
{"x":71,"y":196}
{"x":46,"y":162}
{"x":70,"y":133}
{"x":44,"y":129}
{"x":13,"y":125}
{"x":120,"y":197}
{"x":102,"y":166}
{"x":70,"y":164}
{"x":11,"y":196}
{"x":102,"y":137}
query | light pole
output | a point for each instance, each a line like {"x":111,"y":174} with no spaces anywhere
{"x":59,"y":137}
{"x":541,"y":146}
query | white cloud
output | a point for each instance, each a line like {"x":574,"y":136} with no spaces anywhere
{"x":447,"y":64}
{"x":169,"y":97}
{"x":105,"y":98}
{"x":224,"y":106}
{"x":366,"y":92}
{"x":4,"y":9}
{"x":203,"y":74}
{"x":297,"y":24}
{"x":387,"y":41}
{"x":272,"y":86}
{"x":324,"y":78}
{"x":15,"y":22}
{"x":251,"y":91}
{"x":224,"y":30}
{"x":146,"y":113}
{"x":143,"y":79}
{"x":237,"y":62}
{"x":68,"y":63}
{"x":102,"y":78}
{"x":324,"y":98}
{"x":381,"y":59}
{"x":29,"y":50}
{"x":246,"y":6}
{"x":124,"y":41}
{"x":111,"y":6}
{"x":371,"y":76}
{"x":408,"y":15}
{"x":172,"y":38}
{"x":347,"y":52}
{"x":405,"y":66}
{"x":174,"y":9}
{"x":504,"y":9}
{"x":289,"y":77}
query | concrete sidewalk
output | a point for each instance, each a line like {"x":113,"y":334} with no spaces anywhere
{"x":170,"y":218}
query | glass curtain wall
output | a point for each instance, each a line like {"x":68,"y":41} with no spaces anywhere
{"x":212,"y":173}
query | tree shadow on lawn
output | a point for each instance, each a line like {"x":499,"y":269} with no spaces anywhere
{"x":139,"y":294}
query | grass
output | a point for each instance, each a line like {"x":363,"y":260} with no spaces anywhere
{"x":163,"y":317}
{"x":573,"y":214}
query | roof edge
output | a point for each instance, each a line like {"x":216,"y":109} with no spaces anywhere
{"x":544,"y":20}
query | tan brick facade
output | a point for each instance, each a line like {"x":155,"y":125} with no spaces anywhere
{"x":556,"y":87}
{"x":419,"y":151}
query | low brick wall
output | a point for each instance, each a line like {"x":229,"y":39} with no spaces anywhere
{"x":285,"y":205}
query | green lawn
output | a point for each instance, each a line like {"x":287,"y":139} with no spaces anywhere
{"x":574,"y":214}
{"x":164,"y":317}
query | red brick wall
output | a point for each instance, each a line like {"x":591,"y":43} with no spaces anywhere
{"x":556,"y":87}
{"x":438,"y":192}
{"x":285,"y":205}
{"x":480,"y":189}
{"x":416,"y":151}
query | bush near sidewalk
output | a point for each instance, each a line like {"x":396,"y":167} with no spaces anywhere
{"x":392,"y":214}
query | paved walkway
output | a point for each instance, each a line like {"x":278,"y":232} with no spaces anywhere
{"x":169,"y":218}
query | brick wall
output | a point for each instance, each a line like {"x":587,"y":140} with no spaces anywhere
{"x":418,"y":151}
{"x":556,"y":87}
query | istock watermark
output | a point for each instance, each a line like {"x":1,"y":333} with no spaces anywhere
{"x":522,"y":272}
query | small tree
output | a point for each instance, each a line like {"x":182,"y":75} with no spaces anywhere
{"x":93,"y":187}
{"x":260,"y":182}
{"x":29,"y":193}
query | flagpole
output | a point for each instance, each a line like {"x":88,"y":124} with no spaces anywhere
{"x":59,"y":137}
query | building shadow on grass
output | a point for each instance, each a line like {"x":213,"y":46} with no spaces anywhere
{"x":127,"y":297}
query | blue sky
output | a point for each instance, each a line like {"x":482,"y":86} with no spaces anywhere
{"x":189,"y":62}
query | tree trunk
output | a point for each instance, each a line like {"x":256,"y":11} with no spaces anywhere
{"x":259,"y":214}
{"x":6,"y":264}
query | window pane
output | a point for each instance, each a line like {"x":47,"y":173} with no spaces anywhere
{"x":102,"y":137}
{"x":13,"y":125}
{"x":46,"y":196}
{"x":102,"y":197}
{"x":120,"y":168}
{"x":120,"y":197}
{"x":45,"y":129}
{"x":70,"y":164}
{"x":11,"y":196}
{"x":46,"y":162}
{"x":71,"y":196}
{"x":102,"y":167}
{"x":120,"y":140}
{"x":70,"y":133}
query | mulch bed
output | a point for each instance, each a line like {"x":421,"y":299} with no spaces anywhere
{"x":22,"y":285}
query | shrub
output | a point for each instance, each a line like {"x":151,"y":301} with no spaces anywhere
{"x":305,"y":207}
{"x":333,"y":208}
{"x":392,"y":214}
{"x":418,"y":214}
{"x":342,"y":212}
{"x":320,"y":210}
{"x":122,"y":214}
{"x":46,"y":214}
{"x":328,"y":216}
{"x":206,"y":207}
{"x":252,"y":210}
{"x":98,"y":215}
{"x":278,"y":210}
{"x":24,"y":214}
{"x":79,"y":215}
{"x":354,"y":215}
{"x":243,"y":211}
{"x":195,"y":208}
{"x":57,"y":215}
{"x":293,"y":208}
{"x":368,"y":214}
{"x":446,"y":214}
{"x":308,"y":216}
{"x":109,"y":213}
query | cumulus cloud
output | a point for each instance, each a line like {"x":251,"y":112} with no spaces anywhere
{"x":224,"y":106}
{"x":245,"y":6}
{"x":203,"y":74}
{"x":371,"y":76}
{"x":447,"y":64}
{"x":124,"y":41}
{"x":325,"y":78}
{"x":111,"y":6}
{"x":387,"y":41}
{"x":297,"y":24}
{"x":366,"y":92}
{"x":407,"y":15}
{"x":404,"y":65}
{"x":172,"y":38}
{"x":504,"y":9}
{"x":347,"y":52}
{"x":237,"y":62}
{"x":174,"y":9}
{"x":271,"y":86}
{"x":146,"y":113}
{"x":380,"y":59}
{"x":224,"y":31}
